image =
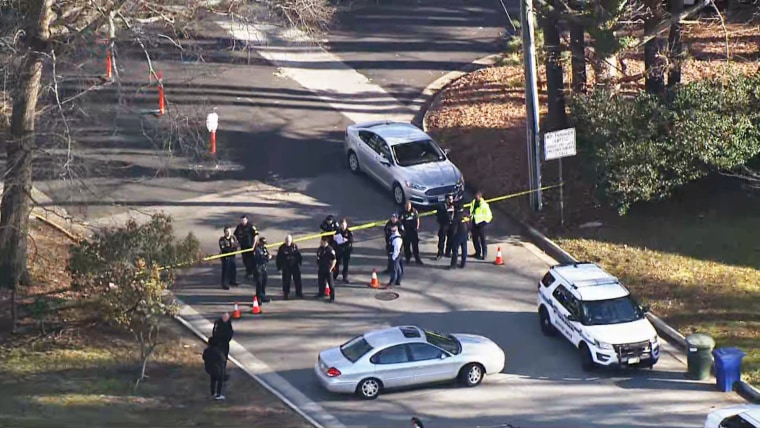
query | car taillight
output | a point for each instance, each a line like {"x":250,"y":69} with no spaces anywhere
{"x":333,"y":372}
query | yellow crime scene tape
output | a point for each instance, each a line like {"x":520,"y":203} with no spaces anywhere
{"x":370,"y":225}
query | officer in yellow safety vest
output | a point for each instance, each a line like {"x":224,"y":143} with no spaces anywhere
{"x":481,"y":216}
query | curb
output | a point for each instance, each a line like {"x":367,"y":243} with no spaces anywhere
{"x":430,"y":94}
{"x":540,"y":240}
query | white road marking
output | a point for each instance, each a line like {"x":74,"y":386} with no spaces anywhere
{"x":343,"y":88}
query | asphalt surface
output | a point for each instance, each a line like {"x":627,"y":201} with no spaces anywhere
{"x":284,"y":167}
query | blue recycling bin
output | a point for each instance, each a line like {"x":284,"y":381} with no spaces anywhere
{"x":728,"y":367}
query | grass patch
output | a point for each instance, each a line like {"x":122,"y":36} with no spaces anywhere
{"x":72,"y":375}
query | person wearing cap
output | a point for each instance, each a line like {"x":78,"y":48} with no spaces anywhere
{"x":481,"y":217}
{"x":393,"y":222}
{"x":247,"y":236}
{"x":329,"y":225}
{"x":395,"y":256}
{"x":344,"y":245}
{"x":445,"y":218}
{"x":326,"y":261}
{"x":289,"y":261}
{"x":228,"y":244}
{"x":459,"y":233}
{"x":261,"y":259}
{"x":410,"y":220}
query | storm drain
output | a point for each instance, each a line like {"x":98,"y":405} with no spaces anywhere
{"x":386,"y":296}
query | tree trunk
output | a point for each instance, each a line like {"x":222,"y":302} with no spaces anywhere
{"x":578,"y":50}
{"x":16,"y":200}
{"x":14,"y":312}
{"x":554,"y":77}
{"x":654,"y":71}
{"x":675,"y":47}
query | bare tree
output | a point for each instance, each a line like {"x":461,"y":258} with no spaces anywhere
{"x":51,"y":30}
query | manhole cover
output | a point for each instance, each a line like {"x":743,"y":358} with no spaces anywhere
{"x":386,"y":295}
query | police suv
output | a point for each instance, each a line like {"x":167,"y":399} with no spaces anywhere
{"x":597,"y":315}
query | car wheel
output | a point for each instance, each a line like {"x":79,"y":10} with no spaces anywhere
{"x":471,"y":375}
{"x":398,"y":194}
{"x":587,"y":362}
{"x":369,"y":388}
{"x":353,"y":162}
{"x":546,"y":323}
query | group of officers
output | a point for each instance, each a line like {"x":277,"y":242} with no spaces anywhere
{"x":455,"y":225}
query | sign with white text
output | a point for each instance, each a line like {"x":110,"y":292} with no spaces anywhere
{"x":559,"y":144}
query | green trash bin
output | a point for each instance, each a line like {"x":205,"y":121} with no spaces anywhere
{"x":699,"y":356}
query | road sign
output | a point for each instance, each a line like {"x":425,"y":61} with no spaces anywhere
{"x":559,"y":144}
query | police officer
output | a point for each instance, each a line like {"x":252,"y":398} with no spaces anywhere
{"x":459,"y":233}
{"x":228,"y":244}
{"x":397,"y":263}
{"x":410,"y":220}
{"x":326,"y":261}
{"x":445,"y":217}
{"x":481,"y":216}
{"x":344,"y":245}
{"x":261,"y":259}
{"x":393,"y":222}
{"x":289,"y":261}
{"x":329,"y":225}
{"x":247,"y":236}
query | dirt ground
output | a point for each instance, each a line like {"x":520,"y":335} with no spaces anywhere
{"x":83,"y":375}
{"x":694,"y":258}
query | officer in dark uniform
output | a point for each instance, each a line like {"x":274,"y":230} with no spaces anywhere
{"x":329,"y":225}
{"x":326,"y":261}
{"x":393,"y":222}
{"x":344,"y":245}
{"x":289,"y":261}
{"x":445,"y":217}
{"x":410,"y":221}
{"x":261,"y":259}
{"x":460,"y":231}
{"x":247,"y":236}
{"x":228,"y":244}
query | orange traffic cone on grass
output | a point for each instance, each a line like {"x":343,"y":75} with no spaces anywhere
{"x":256,"y":308}
{"x":236,"y":312}
{"x":499,"y":259}
{"x":374,"y":283}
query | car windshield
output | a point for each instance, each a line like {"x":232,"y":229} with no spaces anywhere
{"x":446,"y":342}
{"x":355,"y":348}
{"x":612,"y":311}
{"x":418,"y":152}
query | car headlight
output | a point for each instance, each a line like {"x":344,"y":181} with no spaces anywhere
{"x":602,"y":345}
{"x":655,"y":340}
{"x":460,"y":182}
{"x":414,"y":186}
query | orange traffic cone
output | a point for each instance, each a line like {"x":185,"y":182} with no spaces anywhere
{"x":327,"y":290}
{"x":256,"y":308}
{"x":236,"y":311}
{"x":499,"y":259}
{"x":374,"y":283}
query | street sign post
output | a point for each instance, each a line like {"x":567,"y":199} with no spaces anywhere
{"x":557,"y":145}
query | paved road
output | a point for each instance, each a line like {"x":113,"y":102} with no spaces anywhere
{"x":292,"y":175}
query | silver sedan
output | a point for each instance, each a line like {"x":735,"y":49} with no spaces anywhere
{"x":404,"y":160}
{"x":405,"y":356}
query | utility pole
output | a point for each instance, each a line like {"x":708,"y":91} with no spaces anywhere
{"x":531,"y":103}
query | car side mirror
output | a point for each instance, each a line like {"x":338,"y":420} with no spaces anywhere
{"x":645,"y":308}
{"x":446,"y":151}
{"x":385,"y":162}
{"x":572,"y":318}
{"x":444,"y":356}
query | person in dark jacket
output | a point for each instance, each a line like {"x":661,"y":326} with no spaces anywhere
{"x":289,"y":261}
{"x":393,"y":222}
{"x":417,"y":423}
{"x":223,"y":333}
{"x":329,"y":225}
{"x":344,"y":244}
{"x":445,"y":217}
{"x":228,"y":244}
{"x":247,"y":236}
{"x":214,"y":363}
{"x":261,"y":258}
{"x":459,"y":233}
{"x":410,"y":220}
{"x":326,"y":262}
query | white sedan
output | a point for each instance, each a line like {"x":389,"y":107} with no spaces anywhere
{"x":405,"y":356}
{"x":741,"y":416}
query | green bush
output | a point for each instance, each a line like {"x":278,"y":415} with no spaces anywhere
{"x":642,"y":148}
